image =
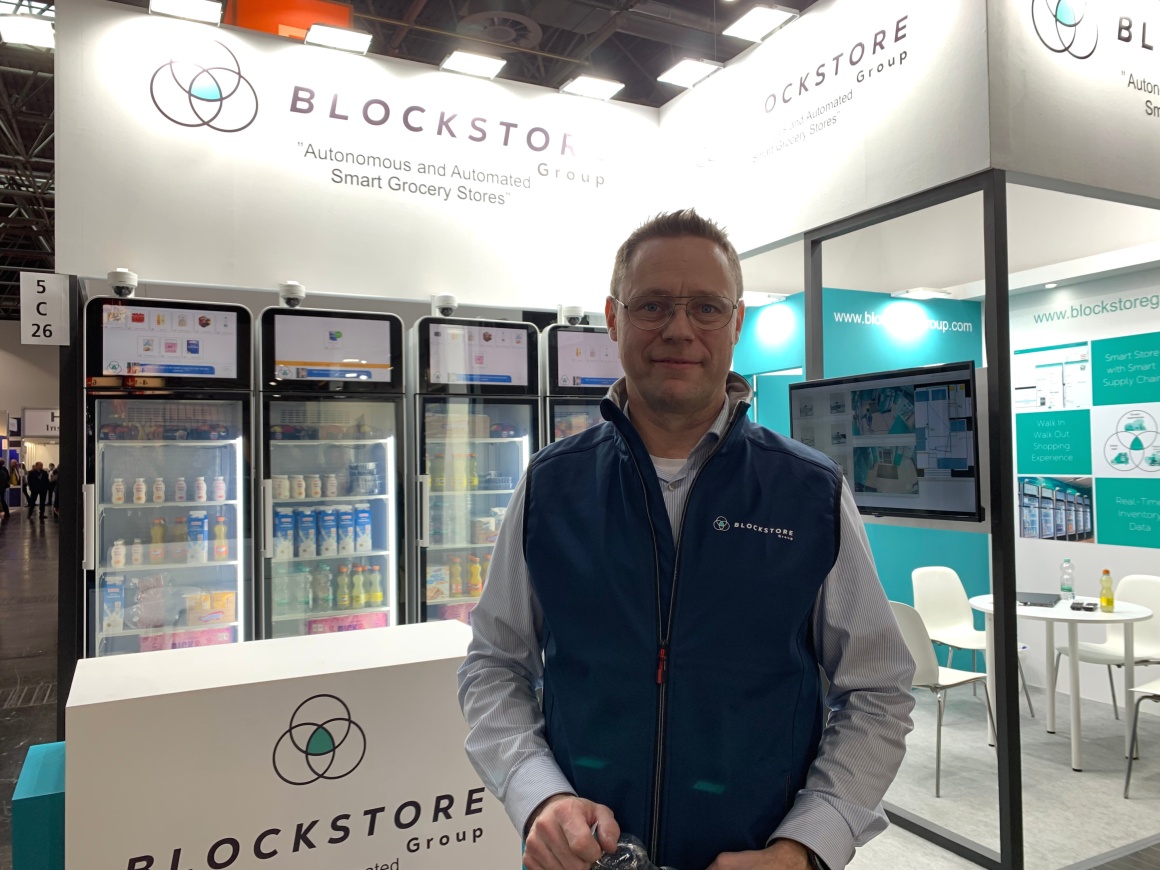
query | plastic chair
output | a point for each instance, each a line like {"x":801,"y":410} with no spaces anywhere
{"x":941,"y":600}
{"x":1142,"y":589}
{"x":1147,"y":692}
{"x":929,"y":675}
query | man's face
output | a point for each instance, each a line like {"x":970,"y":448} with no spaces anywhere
{"x":678,"y":368}
{"x":39,"y":466}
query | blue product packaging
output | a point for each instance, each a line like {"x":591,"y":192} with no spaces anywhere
{"x":306,"y":533}
{"x":362,"y":528}
{"x":327,"y":531}
{"x":113,"y":604}
{"x":283,"y":534}
{"x":345,"y":530}
{"x":198,"y":528}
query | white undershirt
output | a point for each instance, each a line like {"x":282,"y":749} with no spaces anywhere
{"x":667,"y":469}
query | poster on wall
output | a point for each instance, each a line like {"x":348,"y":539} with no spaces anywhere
{"x":1087,"y":426}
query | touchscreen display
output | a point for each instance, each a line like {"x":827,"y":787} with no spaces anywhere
{"x":332,"y":348}
{"x":586,"y":359}
{"x":478,"y":355}
{"x":174,"y":342}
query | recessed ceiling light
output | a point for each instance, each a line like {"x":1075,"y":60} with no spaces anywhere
{"x":31,"y":30}
{"x":591,"y":86}
{"x":689,"y":72}
{"x":1050,"y":286}
{"x":206,"y":11}
{"x":473,"y":64}
{"x":338,"y":37}
{"x":922,"y":293}
{"x":760,"y":21}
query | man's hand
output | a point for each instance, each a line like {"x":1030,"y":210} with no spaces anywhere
{"x":560,"y":835}
{"x":782,"y":855}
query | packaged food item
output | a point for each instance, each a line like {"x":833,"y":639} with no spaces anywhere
{"x":330,"y":486}
{"x":159,"y":490}
{"x":314,"y":486}
{"x":345,"y":519}
{"x":305,"y":533}
{"x":438,"y":583}
{"x":117,"y":554}
{"x":327,"y":531}
{"x":484,"y":530}
{"x":297,"y":486}
{"x":186,"y":639}
{"x":283,"y":534}
{"x":113,"y":604}
{"x":179,"y":491}
{"x":348,"y":622}
{"x":219,"y":489}
{"x":179,"y":536}
{"x":226,"y":604}
{"x":455,"y":577}
{"x":198,"y":525}
{"x":362,"y":528}
{"x":157,"y":542}
{"x":199,"y":489}
{"x":139,"y":491}
{"x":280,"y":484}
{"x":475,"y":576}
{"x":221,"y":543}
{"x":137,"y":553}
{"x":374,"y":586}
{"x":117,"y":496}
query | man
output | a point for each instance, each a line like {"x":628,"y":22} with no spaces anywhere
{"x":37,"y":488}
{"x":5,"y":482}
{"x":673,"y":578}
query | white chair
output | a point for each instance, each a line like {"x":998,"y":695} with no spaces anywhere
{"x":941,"y":600}
{"x":1147,"y":692}
{"x":929,"y":675}
{"x":1142,"y":589}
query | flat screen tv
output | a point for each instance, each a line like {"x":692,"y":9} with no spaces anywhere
{"x":907,"y":440}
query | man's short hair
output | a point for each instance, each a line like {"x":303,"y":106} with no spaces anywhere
{"x":675,"y":225}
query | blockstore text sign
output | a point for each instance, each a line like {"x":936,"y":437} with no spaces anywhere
{"x":335,"y":752}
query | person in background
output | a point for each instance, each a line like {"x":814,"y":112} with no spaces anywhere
{"x":52,"y":485}
{"x":5,"y":482}
{"x":55,"y":477}
{"x":23,"y":470}
{"x":673,"y":579}
{"x":38,"y":487}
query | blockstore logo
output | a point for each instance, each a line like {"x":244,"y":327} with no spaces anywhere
{"x":322,"y":742}
{"x":1066,"y":27}
{"x":208,"y":90}
{"x":721,"y":524}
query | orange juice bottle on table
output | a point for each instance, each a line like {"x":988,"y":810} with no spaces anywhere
{"x":455,"y":576}
{"x":1107,"y":596}
{"x":221,"y":545}
{"x":475,"y":576}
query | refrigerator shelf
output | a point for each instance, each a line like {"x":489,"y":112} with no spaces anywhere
{"x":168,"y":505}
{"x":360,"y":555}
{"x":516,"y":440}
{"x":168,"y":566}
{"x":460,"y":546}
{"x":330,"y":498}
{"x":340,"y":442}
{"x":302,"y":617}
{"x":233,"y":442}
{"x":437,"y":493}
{"x":462,"y":599}
{"x":165,"y":629}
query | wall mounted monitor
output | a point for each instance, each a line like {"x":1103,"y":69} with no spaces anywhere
{"x":316,"y":351}
{"x":458,"y":356}
{"x":907,"y":441}
{"x":582,"y":361}
{"x":162,"y":343}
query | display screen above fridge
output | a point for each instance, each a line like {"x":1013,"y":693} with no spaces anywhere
{"x":332,"y":352}
{"x":582,"y":361}
{"x":477,"y":357}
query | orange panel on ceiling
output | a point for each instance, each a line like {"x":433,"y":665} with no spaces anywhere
{"x":290,"y":18}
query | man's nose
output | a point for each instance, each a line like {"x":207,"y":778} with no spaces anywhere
{"x":678,"y":325}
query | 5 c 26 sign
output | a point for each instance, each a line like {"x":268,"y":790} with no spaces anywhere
{"x":44,"y":308}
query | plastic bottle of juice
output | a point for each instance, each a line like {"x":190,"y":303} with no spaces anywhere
{"x":438,"y":472}
{"x":475,"y":576}
{"x":157,"y":546}
{"x":455,"y":576}
{"x":358,"y":592}
{"x":343,"y":588}
{"x":323,"y":591}
{"x":179,"y":536}
{"x":281,"y":583}
{"x":374,"y":587}
{"x":1107,"y":596}
{"x":472,"y":472}
{"x":221,"y":545}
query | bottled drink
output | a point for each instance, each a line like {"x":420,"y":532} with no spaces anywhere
{"x":472,"y":472}
{"x":297,"y":486}
{"x":118,"y":494}
{"x":179,"y":535}
{"x":343,"y":597}
{"x":300,"y":591}
{"x":139,"y":491}
{"x":374,"y":587}
{"x":219,"y":489}
{"x":458,"y":474}
{"x":117,"y":555}
{"x":159,"y":490}
{"x":475,"y":576}
{"x":221,"y":545}
{"x":179,"y":492}
{"x":438,"y":472}
{"x":157,"y":544}
{"x":323,"y":591}
{"x":1067,"y":580}
{"x":281,"y":593}
{"x":455,"y":576}
{"x":358,"y":592}
{"x":314,"y":486}
{"x":1107,"y":596}
{"x":199,"y":489}
{"x":137,"y":553}
{"x":330,"y":485}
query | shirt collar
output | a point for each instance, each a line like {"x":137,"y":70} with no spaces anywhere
{"x":737,"y":390}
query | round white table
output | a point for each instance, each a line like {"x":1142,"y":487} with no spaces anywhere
{"x":1124,"y":613}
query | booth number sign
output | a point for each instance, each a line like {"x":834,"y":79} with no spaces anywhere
{"x":43,"y":308}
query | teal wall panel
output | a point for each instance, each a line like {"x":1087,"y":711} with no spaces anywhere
{"x":772,"y":338}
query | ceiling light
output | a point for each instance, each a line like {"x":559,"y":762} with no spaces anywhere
{"x":760,"y":21}
{"x":207,"y":11}
{"x":689,"y":72}
{"x":473,"y":64}
{"x":922,"y":293}
{"x":1050,"y":286}
{"x":338,"y":37}
{"x":756,"y":300}
{"x":29,"y":30}
{"x":591,"y":86}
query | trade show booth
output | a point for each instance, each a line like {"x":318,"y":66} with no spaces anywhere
{"x":966,"y":188}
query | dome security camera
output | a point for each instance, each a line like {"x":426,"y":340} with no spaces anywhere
{"x":444,"y":304}
{"x":571,"y":315}
{"x":291,"y":294}
{"x":123,"y":282}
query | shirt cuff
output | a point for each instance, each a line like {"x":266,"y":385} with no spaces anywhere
{"x":532,"y":783}
{"x":820,"y":828}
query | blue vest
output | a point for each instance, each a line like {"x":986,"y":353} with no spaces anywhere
{"x":681,"y":687}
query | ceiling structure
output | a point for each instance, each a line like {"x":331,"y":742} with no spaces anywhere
{"x":546,"y":43}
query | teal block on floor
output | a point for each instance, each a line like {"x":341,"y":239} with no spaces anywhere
{"x":38,"y":810}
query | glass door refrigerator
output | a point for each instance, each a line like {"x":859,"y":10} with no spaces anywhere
{"x":331,"y":497}
{"x":166,"y":519}
{"x":579,"y":363}
{"x":476,"y":391}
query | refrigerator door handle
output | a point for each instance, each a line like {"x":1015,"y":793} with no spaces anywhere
{"x":89,"y":546}
{"x":268,"y":519}
{"x":424,"y":510}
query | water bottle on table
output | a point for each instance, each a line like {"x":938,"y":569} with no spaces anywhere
{"x":1067,"y":580}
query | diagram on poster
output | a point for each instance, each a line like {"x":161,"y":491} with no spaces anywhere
{"x":1134,"y":442}
{"x":1052,"y":378}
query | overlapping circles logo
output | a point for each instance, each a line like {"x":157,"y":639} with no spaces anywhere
{"x":1064,"y":26}
{"x":207,"y":92}
{"x":721,"y":524}
{"x":322,"y":742}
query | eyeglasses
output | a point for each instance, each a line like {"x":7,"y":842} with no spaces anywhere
{"x":705,"y":312}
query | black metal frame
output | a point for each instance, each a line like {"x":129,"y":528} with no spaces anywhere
{"x":1000,"y":443}
{"x":69,"y":626}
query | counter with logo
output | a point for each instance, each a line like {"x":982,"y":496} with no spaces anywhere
{"x":335,"y":752}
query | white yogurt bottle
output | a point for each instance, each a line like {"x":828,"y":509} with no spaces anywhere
{"x":199,"y":489}
{"x":330,"y":486}
{"x":219,"y":489}
{"x":139,"y":491}
{"x":297,"y":486}
{"x":313,"y":486}
{"x":159,"y":490}
{"x":179,"y":492}
{"x":117,"y":556}
{"x":117,"y":496}
{"x":137,"y":553}
{"x":281,"y":486}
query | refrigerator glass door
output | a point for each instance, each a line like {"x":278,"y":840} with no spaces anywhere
{"x":171,"y":529}
{"x":573,"y":416}
{"x":473,"y":454}
{"x":332,"y":502}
